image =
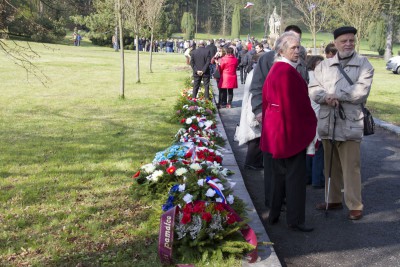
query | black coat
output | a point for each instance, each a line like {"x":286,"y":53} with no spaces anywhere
{"x":200,"y":60}
{"x":212,"y":48}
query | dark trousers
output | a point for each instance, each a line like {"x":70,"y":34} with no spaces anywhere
{"x":267,"y":177}
{"x":212,"y":69}
{"x":226,"y":94}
{"x":318,"y":177}
{"x":254,"y":156}
{"x":288,"y":178}
{"x":243,"y":74}
{"x":206,"y":81}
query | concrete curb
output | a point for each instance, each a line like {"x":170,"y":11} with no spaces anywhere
{"x":266,"y":253}
{"x":383,"y":124}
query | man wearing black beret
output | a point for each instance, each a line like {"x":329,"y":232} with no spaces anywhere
{"x":340,"y":121}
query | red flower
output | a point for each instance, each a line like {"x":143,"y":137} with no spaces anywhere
{"x":163,"y":162}
{"x":189,"y":154}
{"x":136,"y":175}
{"x":186,"y":162}
{"x":183,"y":121}
{"x":206,"y":216}
{"x":231,"y":219}
{"x":200,"y":171}
{"x":209,"y":158}
{"x":194,"y":127}
{"x":187,"y":217}
{"x":218,"y":159}
{"x":188,"y":208}
{"x":171,"y":170}
{"x":199,"y":207}
{"x":219,"y":207}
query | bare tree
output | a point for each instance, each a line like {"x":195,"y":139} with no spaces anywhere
{"x":134,"y":20}
{"x":391,"y":11}
{"x":359,"y":14}
{"x":118,"y":5}
{"x":315,"y":14}
{"x":152,"y":12}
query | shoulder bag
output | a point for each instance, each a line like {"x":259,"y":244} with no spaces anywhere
{"x":369,"y":124}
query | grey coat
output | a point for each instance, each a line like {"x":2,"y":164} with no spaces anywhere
{"x":329,"y":80}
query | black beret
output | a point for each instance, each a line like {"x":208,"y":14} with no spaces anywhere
{"x":344,"y":30}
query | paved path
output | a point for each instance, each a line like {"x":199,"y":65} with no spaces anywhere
{"x":336,"y":241}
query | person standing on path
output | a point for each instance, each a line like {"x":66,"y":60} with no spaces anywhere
{"x":200,"y":61}
{"x":288,"y":127}
{"x":228,"y":80}
{"x":260,"y":74}
{"x":336,"y":94}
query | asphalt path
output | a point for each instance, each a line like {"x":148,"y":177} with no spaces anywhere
{"x":336,"y":241}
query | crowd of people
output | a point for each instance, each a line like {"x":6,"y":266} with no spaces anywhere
{"x":301,"y":117}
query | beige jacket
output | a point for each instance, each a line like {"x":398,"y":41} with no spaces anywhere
{"x":329,"y":80}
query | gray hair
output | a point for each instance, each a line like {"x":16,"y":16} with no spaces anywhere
{"x":201,"y":43}
{"x":281,"y":43}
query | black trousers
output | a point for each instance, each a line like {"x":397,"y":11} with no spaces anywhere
{"x":267,"y":158}
{"x":254,"y":156}
{"x":243,"y":74}
{"x":206,"y":81}
{"x":226,"y":94}
{"x":288,"y":179}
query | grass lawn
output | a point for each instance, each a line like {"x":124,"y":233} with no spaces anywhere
{"x":68,"y":152}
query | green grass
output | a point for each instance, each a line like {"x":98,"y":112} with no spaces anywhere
{"x":68,"y":152}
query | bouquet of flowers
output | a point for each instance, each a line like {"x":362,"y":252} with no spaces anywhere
{"x":198,"y":129}
{"x":209,"y":229}
{"x":194,"y":110}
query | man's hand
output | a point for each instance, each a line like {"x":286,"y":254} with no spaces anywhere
{"x":259,"y":117}
{"x":199,"y":72}
{"x":331,"y":100}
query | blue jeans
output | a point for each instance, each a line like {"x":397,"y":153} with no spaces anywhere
{"x":318,"y":178}
{"x":315,"y":168}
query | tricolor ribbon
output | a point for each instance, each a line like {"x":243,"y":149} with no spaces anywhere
{"x":214,"y":186}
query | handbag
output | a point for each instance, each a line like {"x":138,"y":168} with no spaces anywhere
{"x":369,"y":124}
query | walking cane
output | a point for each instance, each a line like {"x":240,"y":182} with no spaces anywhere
{"x":330,"y":161}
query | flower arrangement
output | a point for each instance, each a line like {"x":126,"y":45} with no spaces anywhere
{"x":202,"y":217}
{"x":209,"y":228}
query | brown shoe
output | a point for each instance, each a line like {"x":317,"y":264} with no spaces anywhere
{"x":331,"y":206}
{"x":355,"y":214}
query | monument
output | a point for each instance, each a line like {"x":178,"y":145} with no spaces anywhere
{"x":274,"y":25}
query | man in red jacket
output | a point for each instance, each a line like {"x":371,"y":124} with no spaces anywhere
{"x":289,"y":125}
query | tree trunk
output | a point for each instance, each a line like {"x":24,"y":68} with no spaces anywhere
{"x":137,"y":59}
{"x":121,"y":44}
{"x":151,"y":50}
{"x":389,"y":33}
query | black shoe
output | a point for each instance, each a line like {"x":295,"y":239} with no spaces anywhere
{"x":273,"y":221}
{"x":300,"y":227}
{"x":254,"y":168}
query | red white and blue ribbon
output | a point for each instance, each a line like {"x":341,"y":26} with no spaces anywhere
{"x":218,"y":191}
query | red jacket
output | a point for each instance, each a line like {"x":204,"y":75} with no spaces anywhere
{"x":289,"y":122}
{"x":227,"y":69}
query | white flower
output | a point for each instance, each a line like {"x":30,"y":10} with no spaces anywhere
{"x":200,"y":182}
{"x":181,"y":187}
{"x":180,"y":171}
{"x":188,"y":198}
{"x":224,"y":172}
{"x":184,"y":178}
{"x":210,"y":192}
{"x":189,"y":121}
{"x":155,"y":175}
{"x":218,"y":200}
{"x":208,"y":123}
{"x":201,"y":124}
{"x":195,"y":166}
{"x":220,"y":186}
{"x":230,"y":199}
{"x":149,"y":168}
